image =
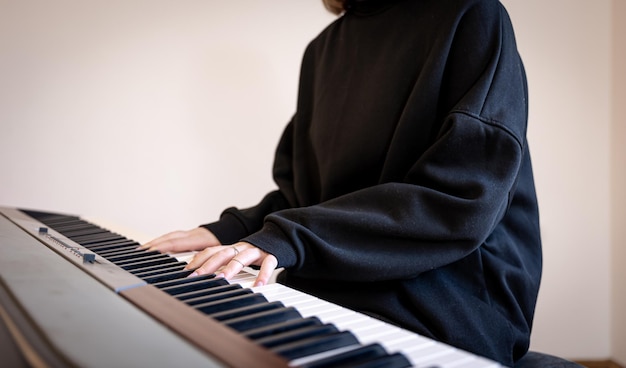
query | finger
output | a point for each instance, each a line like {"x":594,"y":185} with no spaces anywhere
{"x":182,"y":241}
{"x":210,"y":260}
{"x":247,"y":255}
{"x":189,"y":242}
{"x":268,"y":266}
{"x":162,"y":239}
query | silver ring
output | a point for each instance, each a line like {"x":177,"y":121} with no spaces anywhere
{"x":238,"y":261}
{"x":236,"y":251}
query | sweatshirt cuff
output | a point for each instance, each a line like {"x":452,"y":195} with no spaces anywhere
{"x":228,"y":229}
{"x":274,"y":241}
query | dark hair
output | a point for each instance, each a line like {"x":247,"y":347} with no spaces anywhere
{"x":335,"y":6}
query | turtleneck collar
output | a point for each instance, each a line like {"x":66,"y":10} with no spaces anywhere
{"x":368,"y":7}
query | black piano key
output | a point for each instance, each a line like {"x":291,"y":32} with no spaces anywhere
{"x":280,"y":327}
{"x":97,"y":239}
{"x":134,"y":258}
{"x":194,"y":284}
{"x":160,"y":271}
{"x":74,"y":235}
{"x":213,"y":300}
{"x":104,"y":246}
{"x":129,"y":254}
{"x":113,"y":248}
{"x":316,"y":344}
{"x":261,"y":319}
{"x":77,"y":231}
{"x":230,"y":303}
{"x":60,"y":221}
{"x":395,"y":360}
{"x":167,"y":284}
{"x":156,"y":267}
{"x":244,"y":311}
{"x":360,"y":354}
{"x":45,"y":217}
{"x":98,"y":242}
{"x":89,"y":234}
{"x":296,"y":335}
{"x":208,"y":291}
{"x":370,"y":356}
{"x":167,"y":276}
{"x":163,"y":261}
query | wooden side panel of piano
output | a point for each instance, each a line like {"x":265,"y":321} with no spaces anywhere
{"x":65,"y":305}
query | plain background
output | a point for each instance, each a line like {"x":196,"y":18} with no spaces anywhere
{"x":155,"y":115}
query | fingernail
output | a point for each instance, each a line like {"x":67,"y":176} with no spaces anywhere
{"x":258,"y":283}
{"x":219,"y":276}
{"x":193,"y":274}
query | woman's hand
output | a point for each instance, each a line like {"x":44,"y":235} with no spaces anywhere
{"x":183,"y":241}
{"x":227,"y":261}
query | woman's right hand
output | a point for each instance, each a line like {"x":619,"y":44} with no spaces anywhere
{"x":183,"y":241}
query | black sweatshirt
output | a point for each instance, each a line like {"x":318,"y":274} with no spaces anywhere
{"x":405,"y":187}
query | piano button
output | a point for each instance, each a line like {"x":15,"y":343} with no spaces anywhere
{"x":208,"y":291}
{"x":262,"y":319}
{"x":247,"y":310}
{"x":296,"y":335}
{"x":207,"y":301}
{"x":156,"y":267}
{"x":194,"y":284}
{"x":155,"y":262}
{"x":167,"y":276}
{"x":280,"y":327}
{"x":314,"y":345}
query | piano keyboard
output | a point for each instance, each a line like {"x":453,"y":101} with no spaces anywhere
{"x":272,"y":325}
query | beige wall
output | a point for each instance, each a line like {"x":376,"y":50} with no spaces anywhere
{"x":154,"y":115}
{"x":618,"y":180}
{"x":566,"y":48}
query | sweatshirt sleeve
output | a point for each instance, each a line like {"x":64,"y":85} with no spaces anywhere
{"x":459,"y":191}
{"x":235,"y":224}
{"x":452,"y":197}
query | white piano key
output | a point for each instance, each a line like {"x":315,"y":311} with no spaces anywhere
{"x":421,"y":351}
{"x":449,"y":359}
{"x":315,"y":357}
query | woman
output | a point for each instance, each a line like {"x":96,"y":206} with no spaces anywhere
{"x":405,"y":188}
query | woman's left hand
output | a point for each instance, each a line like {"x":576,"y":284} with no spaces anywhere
{"x":228,"y":260}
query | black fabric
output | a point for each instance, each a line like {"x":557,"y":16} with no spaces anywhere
{"x":540,"y":360}
{"x":405,"y":187}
